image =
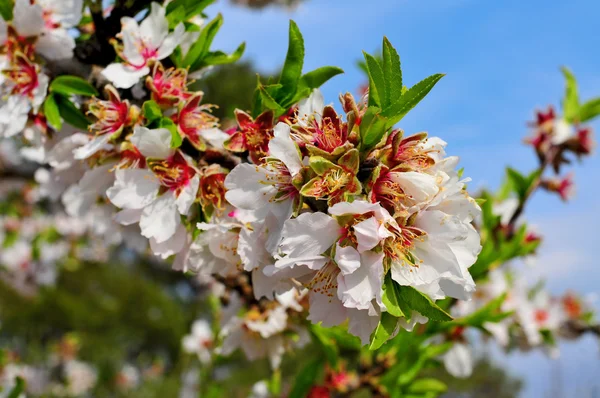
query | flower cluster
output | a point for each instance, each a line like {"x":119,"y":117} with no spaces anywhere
{"x":338,"y":219}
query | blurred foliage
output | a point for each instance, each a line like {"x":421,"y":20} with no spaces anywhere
{"x":230,"y":86}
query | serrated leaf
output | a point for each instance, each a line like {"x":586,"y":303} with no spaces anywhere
{"x":421,"y":303}
{"x":52,"y":112}
{"x":72,"y":85}
{"x":385,"y":329}
{"x":316,"y":78}
{"x":70,"y":113}
{"x":306,"y":378}
{"x":571,"y":100}
{"x":151,"y":110}
{"x":269,"y":102}
{"x":221,"y":58}
{"x":390,"y":297}
{"x":372,"y":127}
{"x":294,"y":61}
{"x":589,"y":110}
{"x":410,"y":99}
{"x":392,"y":72}
{"x":201,"y":47}
{"x":377,"y":87}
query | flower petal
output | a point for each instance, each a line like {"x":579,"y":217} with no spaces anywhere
{"x":155,"y":143}
{"x":160,"y":218}
{"x":133,"y":188}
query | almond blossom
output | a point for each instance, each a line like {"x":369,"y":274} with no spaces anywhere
{"x":160,"y":193}
{"x":142,"y":44}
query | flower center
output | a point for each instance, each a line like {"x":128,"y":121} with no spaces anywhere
{"x":23,"y":75}
{"x":174,"y":172}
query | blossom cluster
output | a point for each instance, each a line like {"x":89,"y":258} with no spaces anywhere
{"x":298,"y":216}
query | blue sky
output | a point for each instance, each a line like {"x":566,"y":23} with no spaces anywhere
{"x":502,"y":61}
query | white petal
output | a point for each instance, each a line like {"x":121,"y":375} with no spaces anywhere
{"x":27,"y":18}
{"x":124,"y":76}
{"x":171,"y":246}
{"x":311,"y":106}
{"x":245,"y":189}
{"x":420,"y":187}
{"x":459,"y":361}
{"x":362,"y":324}
{"x":356,"y":207}
{"x":155,"y":27}
{"x":283,"y":148}
{"x":155,"y":143}
{"x":215,"y":137}
{"x":188,"y":195}
{"x":326,"y":309}
{"x":128,"y":216}
{"x":358,"y":289}
{"x":309,"y":234}
{"x":96,"y":144}
{"x":347,"y":259}
{"x":367,"y":234}
{"x":55,"y":44}
{"x":171,"y":42}
{"x":160,"y":218}
{"x":133,"y":188}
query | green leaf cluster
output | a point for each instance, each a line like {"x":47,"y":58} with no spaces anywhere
{"x":573,"y":110}
{"x":292,"y":85}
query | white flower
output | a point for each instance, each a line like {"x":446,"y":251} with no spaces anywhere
{"x":140,"y":189}
{"x":142,"y":43}
{"x":200,"y":341}
{"x":459,"y":361}
{"x":311,"y":108}
{"x":80,"y":376}
{"x":268,"y":187}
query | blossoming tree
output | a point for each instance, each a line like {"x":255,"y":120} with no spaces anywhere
{"x":303,"y":224}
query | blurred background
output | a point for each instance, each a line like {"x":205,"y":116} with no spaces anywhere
{"x":502,"y":62}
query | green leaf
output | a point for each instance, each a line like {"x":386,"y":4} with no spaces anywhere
{"x":306,"y":379}
{"x":589,"y":110}
{"x":421,"y":303}
{"x":377,"y":87}
{"x":191,"y":7}
{"x":6,"y":9}
{"x":221,"y":58}
{"x":69,"y":85}
{"x":328,"y":344}
{"x":483,"y":314}
{"x":168,"y":124}
{"x":200,"y":48}
{"x":52,"y":113}
{"x":521,"y":184}
{"x":386,"y":327}
{"x":392,"y":72}
{"x":294,"y":60}
{"x":269,"y":103}
{"x":391,"y":297}
{"x":320,"y":165}
{"x":151,"y":111}
{"x":176,"y":16}
{"x":316,"y":78}
{"x":425,"y":385}
{"x":70,"y":113}
{"x":372,"y":127}
{"x":570,"y":102}
{"x":18,"y":389}
{"x":274,"y":384}
{"x":410,"y":99}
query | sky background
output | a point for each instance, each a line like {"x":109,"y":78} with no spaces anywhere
{"x":502,"y":61}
